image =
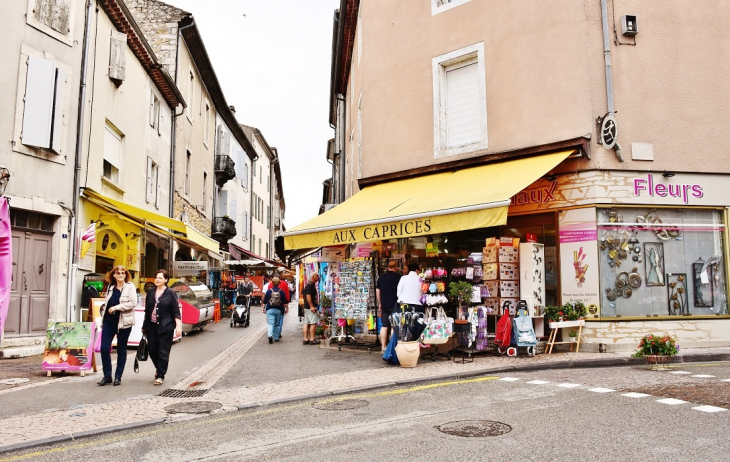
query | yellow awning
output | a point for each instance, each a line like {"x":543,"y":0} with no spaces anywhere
{"x":201,"y":239}
{"x":469,"y":198}
{"x":136,"y":212}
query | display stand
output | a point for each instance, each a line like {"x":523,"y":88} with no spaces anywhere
{"x":350,"y":302}
{"x":556,"y":326}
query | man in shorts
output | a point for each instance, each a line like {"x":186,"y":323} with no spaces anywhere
{"x":387,"y":295}
{"x":311,"y":310}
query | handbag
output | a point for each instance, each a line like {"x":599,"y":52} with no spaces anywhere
{"x":389,"y":354}
{"x":142,"y":353}
{"x":436,"y":332}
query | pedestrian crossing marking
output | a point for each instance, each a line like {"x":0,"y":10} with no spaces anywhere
{"x":509,"y":379}
{"x":538,"y":382}
{"x":680,"y":372}
{"x":569,"y":385}
{"x":709,"y":409}
{"x":601,"y":390}
{"x":703,"y":376}
{"x":635,"y":395}
{"x":671,"y":401}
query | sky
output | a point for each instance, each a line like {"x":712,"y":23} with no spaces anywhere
{"x":272,"y":59}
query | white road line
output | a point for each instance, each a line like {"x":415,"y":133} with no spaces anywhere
{"x":635,"y":395}
{"x":569,"y":385}
{"x":702,"y":376}
{"x":671,"y":401}
{"x":509,"y":379}
{"x":601,"y":390}
{"x":680,"y":372}
{"x":709,"y":409}
{"x":725,"y":380}
{"x":538,"y":382}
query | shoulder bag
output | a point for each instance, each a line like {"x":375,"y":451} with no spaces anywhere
{"x":142,"y":353}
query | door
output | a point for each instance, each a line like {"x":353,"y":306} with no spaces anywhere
{"x":31,"y":284}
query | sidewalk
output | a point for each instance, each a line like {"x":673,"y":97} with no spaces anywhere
{"x":311,"y":372}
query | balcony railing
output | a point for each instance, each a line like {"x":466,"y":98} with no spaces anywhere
{"x":225,"y":169}
{"x":223,"y":228}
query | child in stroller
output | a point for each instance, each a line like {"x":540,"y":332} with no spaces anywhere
{"x":241,"y":311}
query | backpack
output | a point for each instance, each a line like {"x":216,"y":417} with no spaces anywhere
{"x":275,"y":300}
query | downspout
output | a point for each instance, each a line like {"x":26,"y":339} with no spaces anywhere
{"x":72,"y":261}
{"x":341,"y":142}
{"x":609,"y":78}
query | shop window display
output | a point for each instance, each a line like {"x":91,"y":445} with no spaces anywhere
{"x":661,"y":262}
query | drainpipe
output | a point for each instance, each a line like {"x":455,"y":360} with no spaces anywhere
{"x":609,"y":78}
{"x":73,"y":213}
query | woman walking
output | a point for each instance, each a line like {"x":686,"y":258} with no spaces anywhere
{"x":161,"y":323}
{"x":118,"y":319}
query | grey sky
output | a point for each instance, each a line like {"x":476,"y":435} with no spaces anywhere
{"x":274,"y":67}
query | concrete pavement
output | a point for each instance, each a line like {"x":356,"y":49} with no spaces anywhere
{"x":285,"y":371}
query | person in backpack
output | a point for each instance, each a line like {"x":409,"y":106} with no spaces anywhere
{"x":275,"y":305}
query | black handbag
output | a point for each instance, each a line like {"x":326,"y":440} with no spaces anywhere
{"x":142,"y":353}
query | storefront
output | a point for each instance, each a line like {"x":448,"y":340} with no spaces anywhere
{"x":644,"y":252}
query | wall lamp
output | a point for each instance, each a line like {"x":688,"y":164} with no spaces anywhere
{"x":668,"y":174}
{"x":133,"y":236}
{"x":550,"y":177}
{"x":100,"y":224}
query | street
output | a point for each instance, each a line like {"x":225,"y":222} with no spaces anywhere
{"x":586,"y":414}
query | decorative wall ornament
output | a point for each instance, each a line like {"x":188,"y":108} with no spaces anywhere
{"x":677,"y":290}
{"x":654,"y":263}
{"x":704,"y":294}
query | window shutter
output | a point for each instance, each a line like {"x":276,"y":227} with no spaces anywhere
{"x":117,"y":57}
{"x":462,"y":105}
{"x":150,"y":184}
{"x":152,"y":109}
{"x":234,"y":210}
{"x":158,"y":185}
{"x":57,"y":128}
{"x":223,"y":204}
{"x":38,"y":112}
{"x":244,"y":235}
{"x":112,"y":148}
{"x":245,"y":175}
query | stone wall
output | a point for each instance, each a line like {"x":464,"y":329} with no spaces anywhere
{"x":193,"y":217}
{"x":158,"y":22}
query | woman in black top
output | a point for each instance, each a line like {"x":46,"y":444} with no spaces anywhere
{"x":161,"y":322}
{"x":118,"y":319}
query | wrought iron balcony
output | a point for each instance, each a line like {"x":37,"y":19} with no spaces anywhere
{"x":225,"y":169}
{"x":223,"y":228}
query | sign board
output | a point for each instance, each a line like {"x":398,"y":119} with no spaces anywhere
{"x":579,"y":276}
{"x":334,"y":253}
{"x":69,"y":346}
{"x":188,"y":268}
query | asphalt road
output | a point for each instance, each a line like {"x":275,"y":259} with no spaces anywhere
{"x":498,"y":418}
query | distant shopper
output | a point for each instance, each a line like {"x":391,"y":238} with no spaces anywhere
{"x":246,"y":287}
{"x":117,"y":320}
{"x":311,"y":310}
{"x":285,"y":287}
{"x":386,"y":292}
{"x":409,"y":289}
{"x":275,"y":305}
{"x":161,"y":323}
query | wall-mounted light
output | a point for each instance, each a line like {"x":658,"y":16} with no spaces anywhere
{"x":100,"y":224}
{"x":668,"y":174}
{"x":550,"y":177}
{"x":132,"y":236}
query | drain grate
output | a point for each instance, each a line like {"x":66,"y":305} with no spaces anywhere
{"x":341,"y":405}
{"x":172,"y":393}
{"x":193,"y":407}
{"x":475,"y":428}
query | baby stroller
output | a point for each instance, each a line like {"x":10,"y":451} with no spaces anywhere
{"x":241,"y":311}
{"x":523,"y":335}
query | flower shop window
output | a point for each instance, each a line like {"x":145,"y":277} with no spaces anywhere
{"x":661,"y":262}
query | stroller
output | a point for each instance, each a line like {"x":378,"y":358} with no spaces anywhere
{"x":241,"y":311}
{"x":523,"y":335}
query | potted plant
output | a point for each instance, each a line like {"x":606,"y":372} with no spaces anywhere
{"x":460,"y":292}
{"x":553,"y":313}
{"x":573,"y":334}
{"x":656,"y":350}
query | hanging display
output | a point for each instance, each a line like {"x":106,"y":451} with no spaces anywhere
{"x":654,"y":258}
{"x":704,"y":296}
{"x":677,"y":289}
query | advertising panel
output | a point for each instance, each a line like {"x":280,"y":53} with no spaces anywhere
{"x":578,"y":236}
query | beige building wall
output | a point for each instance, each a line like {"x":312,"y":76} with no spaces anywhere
{"x":261,"y":234}
{"x":544,"y":81}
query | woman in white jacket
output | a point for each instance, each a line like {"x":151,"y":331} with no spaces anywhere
{"x":118,"y":319}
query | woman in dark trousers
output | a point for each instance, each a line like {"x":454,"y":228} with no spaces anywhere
{"x":161,"y":323}
{"x":118,"y":319}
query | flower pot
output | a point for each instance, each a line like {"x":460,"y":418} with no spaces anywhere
{"x":408,"y":353}
{"x":657,"y":361}
{"x":573,"y":340}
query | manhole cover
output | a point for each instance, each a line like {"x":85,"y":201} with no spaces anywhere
{"x":172,"y":393}
{"x":13,"y":381}
{"x":193,"y":407}
{"x":475,"y":428}
{"x":340,"y":405}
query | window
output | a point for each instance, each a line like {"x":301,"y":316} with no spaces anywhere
{"x":205,"y":189}
{"x":112,"y":153}
{"x":188,"y":163}
{"x":261,"y":175}
{"x":268,"y":217}
{"x":459,"y":102}
{"x":206,"y":124}
{"x":253,"y":243}
{"x":53,"y":17}
{"x":154,"y":112}
{"x":44,"y":101}
{"x":244,"y":226}
{"x":439,"y":6}
{"x":153,"y":183}
{"x":244,"y":177}
{"x":267,"y":251}
{"x":359,"y":136}
{"x":117,"y":57}
{"x":254,"y":168}
{"x":268,"y":182}
{"x":259,"y":246}
{"x":191,"y":93}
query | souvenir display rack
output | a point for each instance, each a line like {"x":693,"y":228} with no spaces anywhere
{"x":353,"y":301}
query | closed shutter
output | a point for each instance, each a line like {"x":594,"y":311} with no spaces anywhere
{"x":463,"y":125}
{"x":158,"y":186}
{"x":117,"y":56}
{"x":112,"y":148}
{"x":40,"y":85}
{"x":245,"y":175}
{"x":222,"y":204}
{"x":150,"y":184}
{"x":244,"y":234}
{"x":234,"y":210}
{"x":57,"y":126}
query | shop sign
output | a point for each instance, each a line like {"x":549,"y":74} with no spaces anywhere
{"x":539,"y":195}
{"x":651,"y":187}
{"x":188,"y":268}
{"x":334,"y":253}
{"x":384,"y":231}
{"x":578,"y":236}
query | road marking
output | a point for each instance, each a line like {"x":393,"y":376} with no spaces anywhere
{"x":702,"y":376}
{"x":601,"y":390}
{"x":725,"y":380}
{"x":709,"y":409}
{"x":671,"y":401}
{"x":509,"y":379}
{"x":568,"y":385}
{"x":680,"y":372}
{"x":538,"y":382}
{"x":635,"y":395}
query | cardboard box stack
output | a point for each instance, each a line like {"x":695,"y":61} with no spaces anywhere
{"x":500,"y":259}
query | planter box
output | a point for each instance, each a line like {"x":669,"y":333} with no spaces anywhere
{"x":578,"y":323}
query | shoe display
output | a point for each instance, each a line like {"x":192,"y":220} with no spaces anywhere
{"x":117,"y":381}
{"x":104,"y":381}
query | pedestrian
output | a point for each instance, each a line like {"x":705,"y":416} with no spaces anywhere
{"x":409,"y":289}
{"x":161,"y":323}
{"x":117,"y":320}
{"x":275,"y":305}
{"x":284,"y":287}
{"x":311,"y":310}
{"x":386,"y":292}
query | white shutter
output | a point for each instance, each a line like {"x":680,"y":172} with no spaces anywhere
{"x":245,"y":175}
{"x":158,"y":185}
{"x":150,"y":183}
{"x":218,"y":139}
{"x":56,"y":138}
{"x":463,"y":125}
{"x":38,"y":112}
{"x":117,"y":57}
{"x":234,"y":210}
{"x":112,"y":148}
{"x":223,"y":203}
{"x":152,"y":108}
{"x":245,"y":225}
